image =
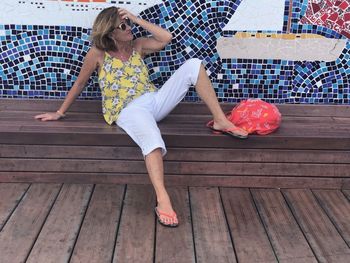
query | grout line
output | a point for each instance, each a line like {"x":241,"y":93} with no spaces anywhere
{"x":290,"y":14}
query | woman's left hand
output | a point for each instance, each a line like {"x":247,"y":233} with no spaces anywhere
{"x":125,"y":14}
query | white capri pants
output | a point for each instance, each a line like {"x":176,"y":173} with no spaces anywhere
{"x":139,"y":118}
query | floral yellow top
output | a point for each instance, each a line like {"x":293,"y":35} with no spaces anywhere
{"x":121,"y":82}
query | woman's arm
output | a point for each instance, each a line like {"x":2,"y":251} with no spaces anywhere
{"x":160,"y":36}
{"x":90,"y":64}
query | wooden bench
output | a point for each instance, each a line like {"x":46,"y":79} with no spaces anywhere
{"x":311,"y":148}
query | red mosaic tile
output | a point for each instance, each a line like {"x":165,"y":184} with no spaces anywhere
{"x":333,"y":14}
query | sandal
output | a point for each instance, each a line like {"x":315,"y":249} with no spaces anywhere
{"x":172,"y":217}
{"x":230,"y":131}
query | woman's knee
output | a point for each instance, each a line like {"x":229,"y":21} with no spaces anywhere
{"x":192,"y":67}
{"x":159,"y":151}
{"x":192,"y":64}
{"x":151,"y":143}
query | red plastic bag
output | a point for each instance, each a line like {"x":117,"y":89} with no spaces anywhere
{"x":256,"y":116}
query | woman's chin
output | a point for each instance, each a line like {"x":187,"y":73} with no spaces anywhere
{"x":127,"y":38}
{"x":131,"y":36}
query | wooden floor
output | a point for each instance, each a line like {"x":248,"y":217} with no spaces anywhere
{"x":49,"y":222}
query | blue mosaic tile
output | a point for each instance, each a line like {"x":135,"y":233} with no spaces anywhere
{"x":44,"y":61}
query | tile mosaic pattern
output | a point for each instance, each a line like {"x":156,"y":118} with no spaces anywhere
{"x":41,"y":61}
{"x":320,"y":82}
{"x":332,"y":14}
{"x":44,"y":61}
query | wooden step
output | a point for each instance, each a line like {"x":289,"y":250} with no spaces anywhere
{"x":311,"y":148}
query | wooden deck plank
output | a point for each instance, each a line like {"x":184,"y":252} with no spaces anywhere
{"x":183,"y":108}
{"x":284,"y":233}
{"x":175,"y":167}
{"x":28,"y":118}
{"x":337,"y":208}
{"x":321,"y":234}
{"x":332,"y":141}
{"x":177,"y":179}
{"x":58,"y":235}
{"x":291,"y":131}
{"x":176,"y":245}
{"x":71,"y":151}
{"x":97,"y":235}
{"x":193,"y":121}
{"x":347,"y":193}
{"x":190,"y":125}
{"x":174,"y":154}
{"x":48,"y":104}
{"x":211,"y":234}
{"x":135,"y":240}
{"x":285,"y":109}
{"x":10,"y":196}
{"x":248,"y":233}
{"x":345,"y":184}
{"x":20,"y":232}
{"x":74,"y":119}
{"x":253,"y":230}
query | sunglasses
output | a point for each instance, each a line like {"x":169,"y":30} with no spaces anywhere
{"x":123,"y":25}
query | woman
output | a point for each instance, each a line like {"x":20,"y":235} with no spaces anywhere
{"x":131,"y":101}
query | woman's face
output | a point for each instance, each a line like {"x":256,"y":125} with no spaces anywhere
{"x":122,"y":31}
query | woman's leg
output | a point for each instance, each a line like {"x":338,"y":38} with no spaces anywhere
{"x":192,"y":72}
{"x":154,"y":164}
{"x":138,"y":122}
{"x":206,"y":92}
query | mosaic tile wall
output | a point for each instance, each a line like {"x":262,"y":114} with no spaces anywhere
{"x":44,"y":61}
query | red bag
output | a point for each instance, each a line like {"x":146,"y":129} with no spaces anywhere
{"x":256,"y":116}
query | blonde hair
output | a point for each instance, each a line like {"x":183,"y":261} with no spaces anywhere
{"x":103,"y":27}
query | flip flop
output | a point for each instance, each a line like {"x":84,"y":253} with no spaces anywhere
{"x":159,"y":214}
{"x":230,"y":131}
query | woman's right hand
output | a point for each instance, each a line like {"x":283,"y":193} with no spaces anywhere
{"x":49,"y":116}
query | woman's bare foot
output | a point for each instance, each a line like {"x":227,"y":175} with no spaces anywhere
{"x":165,"y":208}
{"x":227,"y":125}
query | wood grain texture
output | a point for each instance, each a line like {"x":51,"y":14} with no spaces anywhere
{"x":57,"y":237}
{"x":116,"y":223}
{"x":97,"y":235}
{"x":25,"y":224}
{"x":179,"y":179}
{"x":175,"y":154}
{"x":248,"y":233}
{"x":11,"y":194}
{"x":320,"y":232}
{"x":284,"y":233}
{"x":176,"y":245}
{"x":337,"y":207}
{"x":211,"y":234}
{"x":183,"y":108}
{"x":135,"y":240}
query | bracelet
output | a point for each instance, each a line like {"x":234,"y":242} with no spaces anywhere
{"x":61,"y":114}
